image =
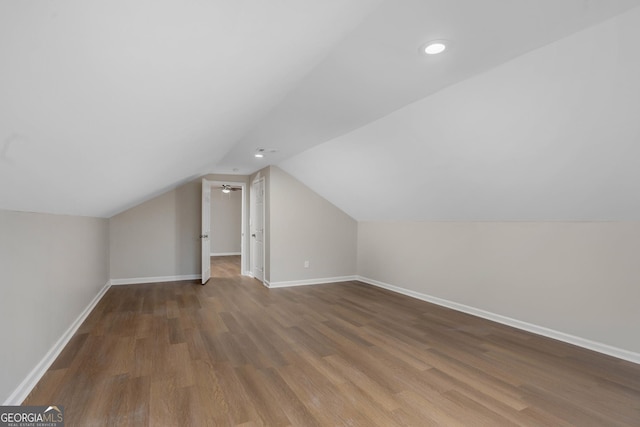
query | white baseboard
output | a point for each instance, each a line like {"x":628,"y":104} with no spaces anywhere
{"x":224,"y":253}
{"x":22,"y":391}
{"x":308,"y":282}
{"x":141,"y":280}
{"x":539,"y":330}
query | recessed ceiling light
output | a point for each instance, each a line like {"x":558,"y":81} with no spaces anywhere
{"x":435,"y":47}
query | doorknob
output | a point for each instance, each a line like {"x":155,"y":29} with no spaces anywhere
{"x":253,"y":235}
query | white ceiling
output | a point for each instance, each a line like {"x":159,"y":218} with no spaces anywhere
{"x":104,"y":104}
{"x":551,"y":135}
{"x":378,"y":68}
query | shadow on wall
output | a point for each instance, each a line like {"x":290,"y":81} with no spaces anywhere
{"x":187,"y":206}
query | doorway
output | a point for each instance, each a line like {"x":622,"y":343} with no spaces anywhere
{"x":224,"y":212}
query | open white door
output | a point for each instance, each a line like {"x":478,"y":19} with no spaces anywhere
{"x":257,"y":229}
{"x":205,"y":231}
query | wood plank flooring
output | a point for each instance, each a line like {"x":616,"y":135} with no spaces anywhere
{"x":236,"y":353}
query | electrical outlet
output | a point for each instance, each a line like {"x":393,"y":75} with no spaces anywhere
{"x":306,"y":264}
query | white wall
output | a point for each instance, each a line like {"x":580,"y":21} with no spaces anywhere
{"x":51,"y":267}
{"x":160,"y":237}
{"x":305,"y":227}
{"x":579,"y":278}
{"x":549,"y":137}
{"x":226,"y":222}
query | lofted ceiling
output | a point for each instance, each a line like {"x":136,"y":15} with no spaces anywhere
{"x":105,"y":104}
{"x":552,"y":135}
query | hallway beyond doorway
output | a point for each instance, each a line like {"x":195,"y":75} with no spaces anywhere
{"x":225,"y":266}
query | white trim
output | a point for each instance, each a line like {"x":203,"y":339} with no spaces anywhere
{"x":530,"y":327}
{"x":159,"y":279}
{"x":22,"y":391}
{"x":206,"y":202}
{"x":308,"y":282}
{"x":225,"y":253}
{"x":252,"y":203}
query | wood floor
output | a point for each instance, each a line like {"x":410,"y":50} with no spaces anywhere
{"x":236,"y":353}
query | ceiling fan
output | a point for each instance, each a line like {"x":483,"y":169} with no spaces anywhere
{"x":228,"y":189}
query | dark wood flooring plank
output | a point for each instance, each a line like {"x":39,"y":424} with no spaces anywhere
{"x":235,"y":353}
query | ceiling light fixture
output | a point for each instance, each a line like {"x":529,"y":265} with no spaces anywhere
{"x":226,"y":189}
{"x":259,"y":153}
{"x":435,"y":47}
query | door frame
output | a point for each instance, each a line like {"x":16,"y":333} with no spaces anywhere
{"x":252,"y":208}
{"x":205,"y":231}
{"x":243,"y":233}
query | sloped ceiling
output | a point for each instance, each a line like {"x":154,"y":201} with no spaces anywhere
{"x":551,"y":135}
{"x":104,"y":104}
